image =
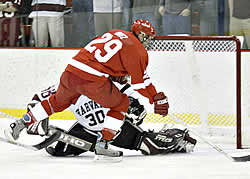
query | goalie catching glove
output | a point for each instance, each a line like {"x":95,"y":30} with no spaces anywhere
{"x":168,"y":141}
{"x":161,"y":104}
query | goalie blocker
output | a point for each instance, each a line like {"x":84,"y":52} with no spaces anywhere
{"x":131,"y":137}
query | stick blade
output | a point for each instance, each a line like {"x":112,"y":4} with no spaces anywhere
{"x":48,"y":141}
{"x":242,"y":158}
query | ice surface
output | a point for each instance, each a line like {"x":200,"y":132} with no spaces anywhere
{"x":203,"y":163}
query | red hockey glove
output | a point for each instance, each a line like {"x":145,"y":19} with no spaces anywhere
{"x":161,"y":104}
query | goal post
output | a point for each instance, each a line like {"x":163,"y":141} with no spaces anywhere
{"x":201,"y":75}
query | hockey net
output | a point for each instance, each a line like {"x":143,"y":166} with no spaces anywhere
{"x":202,"y":77}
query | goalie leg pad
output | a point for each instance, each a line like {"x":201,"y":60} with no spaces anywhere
{"x":129,"y":136}
{"x":63,"y":149}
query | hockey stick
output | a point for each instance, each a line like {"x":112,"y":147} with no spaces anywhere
{"x":234,"y":159}
{"x":38,"y":146}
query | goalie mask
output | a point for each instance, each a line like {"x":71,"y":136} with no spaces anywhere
{"x":144,"y":31}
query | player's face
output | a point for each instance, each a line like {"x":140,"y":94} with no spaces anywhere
{"x":145,"y":39}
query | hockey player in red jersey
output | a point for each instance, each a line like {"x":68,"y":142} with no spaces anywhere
{"x":90,"y":118}
{"x":114,"y":54}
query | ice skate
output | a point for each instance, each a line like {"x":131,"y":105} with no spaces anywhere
{"x":104,"y":152}
{"x":102,"y":148}
{"x":13,"y":132}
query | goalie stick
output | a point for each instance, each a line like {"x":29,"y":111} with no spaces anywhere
{"x":48,"y":141}
{"x":244,"y":158}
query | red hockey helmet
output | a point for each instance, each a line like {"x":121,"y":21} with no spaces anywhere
{"x":141,"y":25}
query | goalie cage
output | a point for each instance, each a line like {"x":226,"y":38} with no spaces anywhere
{"x":201,"y":76}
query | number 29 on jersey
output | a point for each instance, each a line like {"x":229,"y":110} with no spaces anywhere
{"x":109,"y":48}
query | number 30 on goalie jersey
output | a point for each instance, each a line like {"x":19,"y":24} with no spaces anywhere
{"x":89,"y":113}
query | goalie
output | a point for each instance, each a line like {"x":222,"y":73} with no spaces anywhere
{"x":90,"y":119}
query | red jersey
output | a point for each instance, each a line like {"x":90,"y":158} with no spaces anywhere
{"x":115,"y":53}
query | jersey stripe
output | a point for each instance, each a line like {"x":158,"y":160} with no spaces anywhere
{"x":86,"y":68}
{"x":139,"y":86}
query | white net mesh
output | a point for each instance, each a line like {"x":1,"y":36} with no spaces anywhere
{"x":198,"y":45}
{"x":199,"y":78}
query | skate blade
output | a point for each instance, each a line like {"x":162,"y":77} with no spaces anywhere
{"x":7,"y":133}
{"x":107,"y":159}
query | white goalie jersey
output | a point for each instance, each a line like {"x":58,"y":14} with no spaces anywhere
{"x":88,"y":113}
